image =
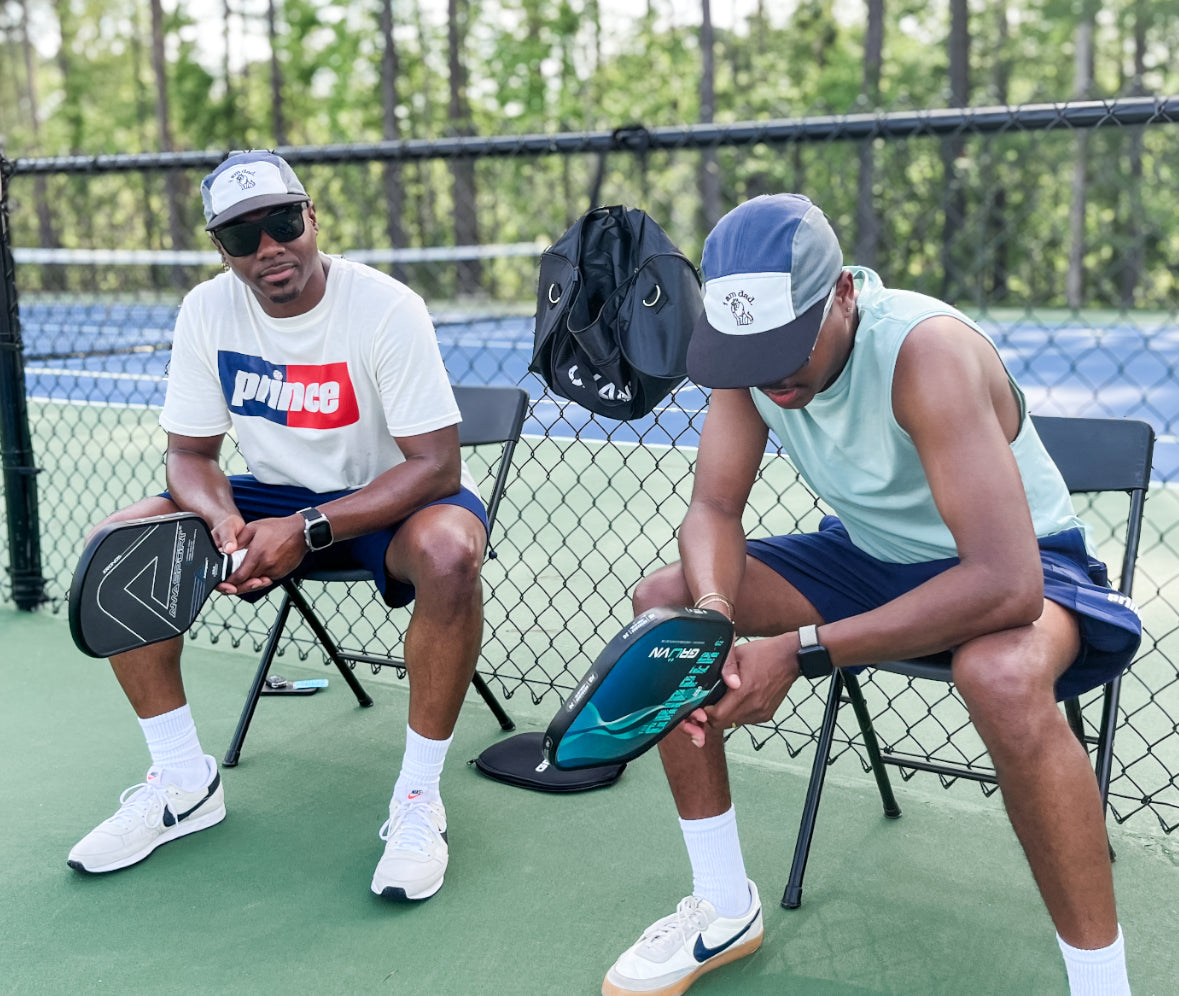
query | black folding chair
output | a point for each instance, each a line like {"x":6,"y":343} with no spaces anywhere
{"x":1095,"y":455}
{"x":491,"y":415}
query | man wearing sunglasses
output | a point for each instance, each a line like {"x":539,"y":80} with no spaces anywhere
{"x":329,"y":374}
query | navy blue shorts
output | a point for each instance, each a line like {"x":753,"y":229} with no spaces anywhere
{"x":840,"y":580}
{"x":263,"y":501}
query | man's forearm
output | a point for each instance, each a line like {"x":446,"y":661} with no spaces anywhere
{"x":198,"y":484}
{"x":712,"y":551}
{"x":391,"y":497}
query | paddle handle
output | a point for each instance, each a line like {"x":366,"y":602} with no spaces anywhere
{"x":233,"y":561}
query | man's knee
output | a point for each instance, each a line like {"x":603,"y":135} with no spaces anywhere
{"x":444,"y":555}
{"x":665,"y":587}
{"x":142,"y":509}
{"x":1008,"y":694}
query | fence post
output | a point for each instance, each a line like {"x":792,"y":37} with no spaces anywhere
{"x":16,"y":441}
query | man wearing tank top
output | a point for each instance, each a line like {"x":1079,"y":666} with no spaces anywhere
{"x":952,"y":529}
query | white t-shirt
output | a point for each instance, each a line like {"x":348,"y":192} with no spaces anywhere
{"x":315,"y":400}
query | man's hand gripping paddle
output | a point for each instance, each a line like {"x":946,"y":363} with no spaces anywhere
{"x":659,"y":668}
{"x":144,"y":580}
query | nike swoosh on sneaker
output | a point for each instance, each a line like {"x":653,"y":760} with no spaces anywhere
{"x":171,"y":819}
{"x":702,"y":952}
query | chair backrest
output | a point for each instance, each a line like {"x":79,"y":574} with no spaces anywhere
{"x":1104,"y":454}
{"x":492,"y":415}
{"x":1098,"y":454}
{"x":1093,"y":455}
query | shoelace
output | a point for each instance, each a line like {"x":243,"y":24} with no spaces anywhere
{"x":689,"y":918}
{"x":144,"y":801}
{"x":411,"y":829}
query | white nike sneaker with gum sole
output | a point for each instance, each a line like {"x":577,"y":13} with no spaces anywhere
{"x":675,"y":951}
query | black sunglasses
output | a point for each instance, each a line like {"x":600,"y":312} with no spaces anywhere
{"x":283,"y":224}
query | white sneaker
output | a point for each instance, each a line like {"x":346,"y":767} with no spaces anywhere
{"x":416,"y":851}
{"x":675,"y":951}
{"x":151,"y":814}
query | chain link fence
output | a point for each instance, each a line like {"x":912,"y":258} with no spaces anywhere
{"x":1057,"y":226}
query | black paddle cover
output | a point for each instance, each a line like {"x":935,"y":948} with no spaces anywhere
{"x":142,"y":581}
{"x":663,"y":665}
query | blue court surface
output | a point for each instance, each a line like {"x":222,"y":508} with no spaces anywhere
{"x":117,"y":353}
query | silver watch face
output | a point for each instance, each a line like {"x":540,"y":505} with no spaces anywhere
{"x":316,"y":530}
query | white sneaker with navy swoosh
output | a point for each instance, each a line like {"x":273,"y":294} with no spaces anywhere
{"x":675,"y":951}
{"x":151,"y":814}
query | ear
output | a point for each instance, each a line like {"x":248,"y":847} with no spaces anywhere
{"x":845,"y":291}
{"x":311,"y":216}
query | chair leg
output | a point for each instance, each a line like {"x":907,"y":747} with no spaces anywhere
{"x":872,"y":745}
{"x":792,"y":897}
{"x":505,"y":721}
{"x":325,"y":640}
{"x":243,"y":724}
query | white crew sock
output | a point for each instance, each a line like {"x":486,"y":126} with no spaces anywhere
{"x":172,"y":739}
{"x":718,"y":870}
{"x":1100,"y":972}
{"x":421,"y":766}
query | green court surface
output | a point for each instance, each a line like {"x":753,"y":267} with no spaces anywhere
{"x":543,"y":891}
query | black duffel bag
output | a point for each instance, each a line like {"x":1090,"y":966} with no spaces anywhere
{"x":616,"y":305}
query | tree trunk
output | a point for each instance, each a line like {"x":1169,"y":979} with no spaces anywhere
{"x":995,"y":224}
{"x":176,"y":229}
{"x":232,"y":109}
{"x":952,"y":147}
{"x":46,"y":233}
{"x":391,"y":171}
{"x":424,"y":209}
{"x":466,"y":223}
{"x":1134,"y":257}
{"x":1082,"y":85}
{"x":160,"y":276}
{"x":277,"y":118}
{"x":867,"y":238}
{"x":709,"y":176}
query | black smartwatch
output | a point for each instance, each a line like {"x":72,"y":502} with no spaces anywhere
{"x":813,"y":659}
{"x":317,"y":531}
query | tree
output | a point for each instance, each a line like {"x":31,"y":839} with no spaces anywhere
{"x":278,"y":124}
{"x":1082,"y":88}
{"x":867,"y":238}
{"x":45,"y":227}
{"x":710,"y":209}
{"x":466,"y":223}
{"x":176,"y":226}
{"x":390,"y":170}
{"x":953,"y":147}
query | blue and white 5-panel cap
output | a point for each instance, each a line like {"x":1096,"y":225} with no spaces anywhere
{"x":769,"y":266}
{"x":245,"y":182}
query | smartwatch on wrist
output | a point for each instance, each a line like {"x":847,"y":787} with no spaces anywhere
{"x":317,"y":531}
{"x":813,"y":659}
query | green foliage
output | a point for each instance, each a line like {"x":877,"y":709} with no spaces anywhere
{"x":549,"y":66}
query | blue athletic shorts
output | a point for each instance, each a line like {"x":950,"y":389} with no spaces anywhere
{"x":262,"y":501}
{"x":840,"y":580}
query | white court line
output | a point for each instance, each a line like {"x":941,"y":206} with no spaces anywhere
{"x":96,"y":374}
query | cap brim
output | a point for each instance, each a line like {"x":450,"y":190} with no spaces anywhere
{"x":253,"y":204}
{"x":720,"y":360}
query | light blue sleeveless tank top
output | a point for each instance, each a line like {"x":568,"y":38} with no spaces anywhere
{"x":850,"y":450}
